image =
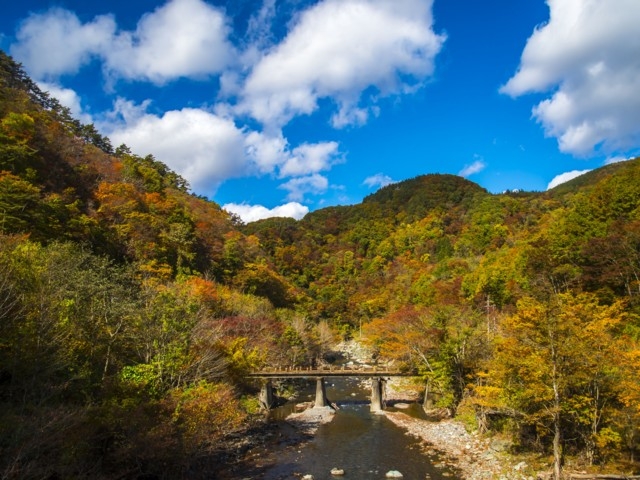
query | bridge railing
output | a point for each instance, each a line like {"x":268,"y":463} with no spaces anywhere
{"x":330,"y":369}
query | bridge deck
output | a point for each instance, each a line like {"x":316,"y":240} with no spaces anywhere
{"x":330,"y":372}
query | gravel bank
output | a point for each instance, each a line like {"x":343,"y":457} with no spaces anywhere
{"x":309,"y":420}
{"x":475,"y":457}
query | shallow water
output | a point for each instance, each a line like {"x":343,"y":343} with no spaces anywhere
{"x":365,"y":445}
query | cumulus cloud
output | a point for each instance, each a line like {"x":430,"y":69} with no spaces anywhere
{"x":349,"y":52}
{"x":272,"y":154}
{"x":55,"y":43}
{"x":378,"y":180}
{"x":251,"y":213}
{"x":267,"y":152}
{"x":565,"y":177}
{"x":588,"y":55}
{"x":207,"y":148}
{"x":202,"y":147}
{"x":349,"y":115}
{"x":338,"y":49}
{"x":299,"y":187}
{"x":311,"y":158}
{"x":474,"y":168}
{"x":183,"y":38}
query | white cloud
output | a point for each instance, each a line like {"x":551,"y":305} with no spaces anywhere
{"x":338,"y":49}
{"x":267,"y":152}
{"x":378,"y":180}
{"x":67,"y":98}
{"x":565,"y":177}
{"x":56,"y":43}
{"x":474,"y":168}
{"x":183,"y":38}
{"x":588,"y":55}
{"x":202,"y":147}
{"x":349,"y":115}
{"x":272,"y":153}
{"x":259,"y":25}
{"x":298,"y":187}
{"x":311,"y":158}
{"x":251,"y":213}
{"x":207,"y":148}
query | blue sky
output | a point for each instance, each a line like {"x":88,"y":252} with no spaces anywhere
{"x":283,"y":107}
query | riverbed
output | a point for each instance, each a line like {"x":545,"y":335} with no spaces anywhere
{"x":303,"y":441}
{"x":363,"y":444}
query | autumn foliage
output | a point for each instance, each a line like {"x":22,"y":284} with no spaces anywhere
{"x":131,"y":310}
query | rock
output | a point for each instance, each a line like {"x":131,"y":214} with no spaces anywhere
{"x":309,"y":420}
{"x":520,"y":466}
{"x":500,"y":445}
{"x":393,"y":474}
{"x":476,"y":457}
{"x":337,"y":472}
{"x":307,"y":477}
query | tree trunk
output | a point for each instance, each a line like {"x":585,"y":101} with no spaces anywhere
{"x":557,"y":449}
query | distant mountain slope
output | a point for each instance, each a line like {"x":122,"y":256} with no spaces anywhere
{"x":416,"y":196}
{"x":592,"y":177}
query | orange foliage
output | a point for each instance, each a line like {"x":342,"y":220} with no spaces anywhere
{"x":202,"y":289}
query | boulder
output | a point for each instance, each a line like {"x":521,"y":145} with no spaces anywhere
{"x":337,"y":472}
{"x":393,"y":474}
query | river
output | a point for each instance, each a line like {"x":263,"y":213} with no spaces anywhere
{"x":364,"y":445}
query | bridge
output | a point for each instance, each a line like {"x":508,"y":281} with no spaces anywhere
{"x":378,"y":376}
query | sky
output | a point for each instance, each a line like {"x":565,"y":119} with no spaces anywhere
{"x":282,"y":107}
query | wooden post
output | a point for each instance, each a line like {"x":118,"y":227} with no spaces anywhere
{"x":427,"y":403}
{"x":377,"y":394}
{"x":321,"y":393}
{"x":266,"y":395}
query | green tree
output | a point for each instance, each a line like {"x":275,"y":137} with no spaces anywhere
{"x":554,"y":365}
{"x":443,"y":344}
{"x":20,"y":205}
{"x":16,"y":133}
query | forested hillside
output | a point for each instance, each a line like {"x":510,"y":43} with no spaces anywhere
{"x":130,"y":309}
{"x":519,"y":310}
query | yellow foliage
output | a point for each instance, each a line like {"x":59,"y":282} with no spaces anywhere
{"x":206,"y":413}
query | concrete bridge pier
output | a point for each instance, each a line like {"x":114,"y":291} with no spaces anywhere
{"x":321,"y":393}
{"x":377,"y":394}
{"x":266,"y":395}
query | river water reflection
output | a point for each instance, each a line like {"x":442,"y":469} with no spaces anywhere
{"x":365,"y":445}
